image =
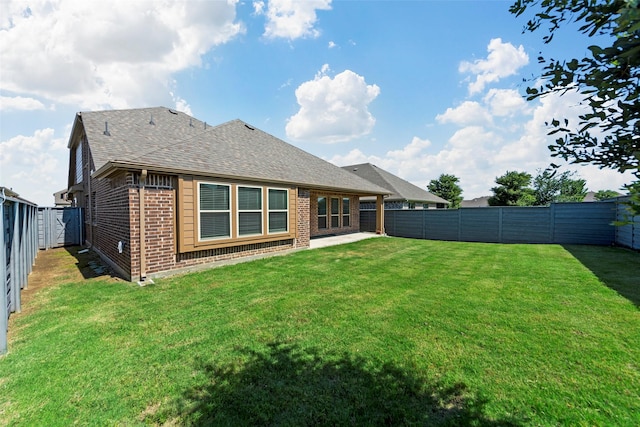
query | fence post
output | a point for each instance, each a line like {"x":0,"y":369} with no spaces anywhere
{"x":500,"y":225}
{"x":4,"y":311}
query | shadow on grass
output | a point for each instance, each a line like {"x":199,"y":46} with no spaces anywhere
{"x":617,"y":268}
{"x":89,"y":263}
{"x":285,"y":385}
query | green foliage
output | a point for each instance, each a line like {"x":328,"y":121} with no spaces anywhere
{"x":551,"y":187}
{"x":606,"y":194}
{"x":512,"y":190}
{"x":446,"y":186}
{"x":608,"y":135}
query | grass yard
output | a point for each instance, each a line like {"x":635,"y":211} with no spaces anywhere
{"x":385,"y":331}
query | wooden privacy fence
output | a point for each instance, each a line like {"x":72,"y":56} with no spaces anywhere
{"x":562,"y":223}
{"x":18,"y":249}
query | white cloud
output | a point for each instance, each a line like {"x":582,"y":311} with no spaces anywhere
{"x":504,"y":60}
{"x":333,"y":110}
{"x":20,"y":103}
{"x":469,"y":112}
{"x":31,"y":165}
{"x":332,"y":45}
{"x":291,"y":19}
{"x":107,"y":54}
{"x":505,"y":102}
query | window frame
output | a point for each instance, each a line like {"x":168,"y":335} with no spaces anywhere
{"x":239,"y":211}
{"x":326,"y":223}
{"x":337,"y":214}
{"x":269,"y":210}
{"x":346,"y":215}
{"x":200,"y":211}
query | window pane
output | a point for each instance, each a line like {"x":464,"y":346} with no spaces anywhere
{"x":278,"y":199}
{"x":335,"y":221}
{"x":345,"y":206}
{"x":335,"y":206}
{"x":249,"y":198}
{"x":249,"y":223}
{"x":213,"y":224}
{"x":277,"y":222}
{"x":346,"y":220}
{"x":322,"y":206}
{"x":322,"y":222}
{"x":214,"y":197}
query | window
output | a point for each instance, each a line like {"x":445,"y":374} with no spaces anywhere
{"x":249,"y":211}
{"x":215,"y":212}
{"x":346,"y":213}
{"x":79,"y":163}
{"x":335,"y":212}
{"x":278,"y":207}
{"x":322,"y":212}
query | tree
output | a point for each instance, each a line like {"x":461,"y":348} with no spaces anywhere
{"x":606,"y":194}
{"x":512,"y":190}
{"x":550,"y":187}
{"x":608,"y":134}
{"x":446,"y":186}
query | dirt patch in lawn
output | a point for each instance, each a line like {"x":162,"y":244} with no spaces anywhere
{"x":56,"y":267}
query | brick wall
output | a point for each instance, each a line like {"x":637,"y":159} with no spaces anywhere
{"x":303,"y":218}
{"x":111,"y":223}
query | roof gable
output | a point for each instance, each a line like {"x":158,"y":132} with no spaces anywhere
{"x":399,"y":188}
{"x":170,"y":140}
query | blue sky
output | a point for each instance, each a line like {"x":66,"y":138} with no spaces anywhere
{"x":419,"y":88}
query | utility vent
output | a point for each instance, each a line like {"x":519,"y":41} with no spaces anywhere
{"x":106,"y":129}
{"x":151,"y":122}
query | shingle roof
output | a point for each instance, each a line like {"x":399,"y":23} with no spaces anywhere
{"x":398,"y":187}
{"x":170,"y":140}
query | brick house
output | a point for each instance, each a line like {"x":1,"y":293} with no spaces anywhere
{"x":165,"y":192}
{"x":403,"y":194}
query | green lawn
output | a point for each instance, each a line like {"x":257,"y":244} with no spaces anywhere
{"x":385,"y":331}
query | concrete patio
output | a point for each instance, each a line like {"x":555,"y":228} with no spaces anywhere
{"x":321,"y":242}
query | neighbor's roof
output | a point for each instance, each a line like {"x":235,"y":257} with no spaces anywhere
{"x":398,"y":187}
{"x":171,"y":141}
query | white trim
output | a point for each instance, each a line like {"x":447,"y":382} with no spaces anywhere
{"x":238,"y":210}
{"x":228,"y":211}
{"x":269,"y":210}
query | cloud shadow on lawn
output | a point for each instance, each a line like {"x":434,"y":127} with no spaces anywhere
{"x":617,"y":268}
{"x":286,"y":385}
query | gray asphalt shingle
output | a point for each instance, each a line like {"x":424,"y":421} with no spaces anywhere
{"x":398,"y":187}
{"x":165,"y":139}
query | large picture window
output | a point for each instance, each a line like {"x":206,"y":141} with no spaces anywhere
{"x":335,"y":212}
{"x":215,"y":212}
{"x":249,"y":211}
{"x":346,"y":212}
{"x":322,"y":212}
{"x":278,"y":211}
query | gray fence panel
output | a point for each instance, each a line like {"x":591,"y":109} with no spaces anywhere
{"x":584,"y":223}
{"x":526,"y":225}
{"x":480,"y":225}
{"x":368,"y":221}
{"x":562,"y":223}
{"x":629,"y":234}
{"x":407,"y":224}
{"x":442,"y":224}
{"x":59,"y":227}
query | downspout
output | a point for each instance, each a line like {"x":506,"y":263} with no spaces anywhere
{"x":143,"y":261}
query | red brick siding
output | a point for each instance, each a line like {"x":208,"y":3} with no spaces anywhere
{"x":112,"y":224}
{"x":303,"y":234}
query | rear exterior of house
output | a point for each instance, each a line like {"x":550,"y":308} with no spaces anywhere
{"x":164,"y":192}
{"x":402,"y":193}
